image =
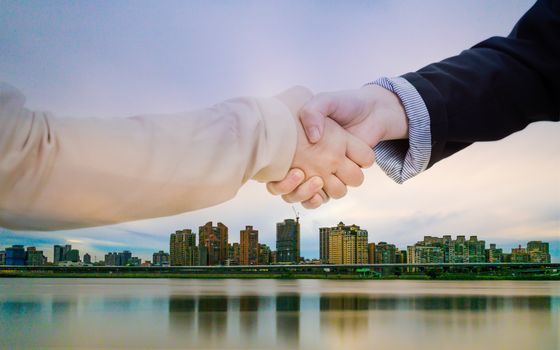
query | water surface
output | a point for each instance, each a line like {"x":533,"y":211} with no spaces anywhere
{"x":271,"y":314}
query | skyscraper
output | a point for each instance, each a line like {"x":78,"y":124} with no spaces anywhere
{"x":371,"y":253}
{"x":182,"y":248}
{"x":419,"y":254}
{"x":347,"y":245}
{"x":65,"y":250}
{"x":447,"y":250}
{"x":58,"y":254}
{"x":519,"y":255}
{"x":493,"y":254}
{"x":249,"y":246}
{"x":287,"y":242}
{"x":73,"y":255}
{"x":160,"y":258}
{"x":34,"y":257}
{"x":538,"y":252}
{"x":15,"y":255}
{"x":324,"y":244}
{"x":264,"y":254}
{"x":233,"y":253}
{"x":385,"y":253}
{"x":212,"y":244}
{"x":87,"y":258}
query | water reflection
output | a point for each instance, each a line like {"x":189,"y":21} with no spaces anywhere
{"x":320,"y":316}
{"x":434,"y":303}
{"x":287,"y":319}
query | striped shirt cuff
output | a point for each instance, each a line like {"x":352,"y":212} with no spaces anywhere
{"x":402,"y":160}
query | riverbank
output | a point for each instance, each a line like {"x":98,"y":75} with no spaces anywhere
{"x":329,"y":276}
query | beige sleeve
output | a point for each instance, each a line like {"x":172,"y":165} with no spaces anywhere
{"x":62,"y":173}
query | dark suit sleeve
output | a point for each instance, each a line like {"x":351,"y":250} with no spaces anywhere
{"x":497,"y":87}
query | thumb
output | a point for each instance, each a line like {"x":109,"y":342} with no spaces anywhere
{"x":313,"y":114}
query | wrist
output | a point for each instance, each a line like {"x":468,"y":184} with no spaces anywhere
{"x":388,"y":112}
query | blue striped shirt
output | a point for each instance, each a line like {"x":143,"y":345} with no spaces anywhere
{"x":404,"y":159}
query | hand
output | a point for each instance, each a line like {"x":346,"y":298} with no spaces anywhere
{"x":335,"y":161}
{"x":371,"y":113}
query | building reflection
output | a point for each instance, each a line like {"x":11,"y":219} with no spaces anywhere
{"x":212,"y":316}
{"x":346,"y":320}
{"x":287,"y":319}
{"x":182,"y":313}
{"x":248,"y":314}
{"x":343,"y":318}
{"x":21,"y":307}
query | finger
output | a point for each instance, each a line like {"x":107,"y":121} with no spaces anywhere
{"x":334,"y":187}
{"x":359,"y":152}
{"x":313,"y":203}
{"x":292,"y":180}
{"x":350,"y":173}
{"x":304,"y":191}
{"x":316,"y":201}
{"x":313,"y":114}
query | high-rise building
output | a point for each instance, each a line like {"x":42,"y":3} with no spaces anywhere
{"x":34,"y":257}
{"x":371,"y":253}
{"x":212,"y":244}
{"x":385,"y":253}
{"x":182,"y":248}
{"x":134,"y":261}
{"x":447,"y":250}
{"x":348,"y":245}
{"x":15,"y":255}
{"x":324,"y":244}
{"x":2,"y":257}
{"x":420,"y":254}
{"x":477,"y":250}
{"x":65,"y":250}
{"x":249,"y":244}
{"x":493,"y":254}
{"x":287,"y":242}
{"x":234,"y":253}
{"x":111,"y":259}
{"x":160,"y":258}
{"x":87,"y":258}
{"x":118,"y":259}
{"x":264,"y":254}
{"x":538,"y":252}
{"x":65,"y":253}
{"x":73,"y":255}
{"x":519,"y":255}
{"x":58,"y":254}
{"x":400,"y":256}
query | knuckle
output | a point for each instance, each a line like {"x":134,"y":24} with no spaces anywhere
{"x":288,"y":198}
{"x":271,"y":187}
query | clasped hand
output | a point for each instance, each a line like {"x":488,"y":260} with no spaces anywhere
{"x":336,"y":135}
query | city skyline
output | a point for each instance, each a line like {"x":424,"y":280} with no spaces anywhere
{"x":488,"y":189}
{"x":7,"y":239}
{"x":346,"y":244}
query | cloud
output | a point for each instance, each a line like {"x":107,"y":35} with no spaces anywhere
{"x":124,"y":58}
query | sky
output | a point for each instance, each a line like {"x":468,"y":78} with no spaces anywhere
{"x":121,"y":58}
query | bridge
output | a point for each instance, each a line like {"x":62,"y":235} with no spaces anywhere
{"x":303,"y":269}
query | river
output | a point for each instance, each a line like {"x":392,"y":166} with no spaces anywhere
{"x":278,"y":314}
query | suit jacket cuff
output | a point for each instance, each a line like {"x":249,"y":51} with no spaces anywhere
{"x":404,"y":159}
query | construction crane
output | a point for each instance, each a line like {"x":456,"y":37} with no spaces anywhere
{"x":296,"y":213}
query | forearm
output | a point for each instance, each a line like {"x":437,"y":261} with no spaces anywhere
{"x":60,"y":173}
{"x":496,"y":88}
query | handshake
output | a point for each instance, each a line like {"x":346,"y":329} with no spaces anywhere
{"x":336,"y":135}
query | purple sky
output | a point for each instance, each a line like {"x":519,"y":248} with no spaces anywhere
{"x":108,"y":58}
